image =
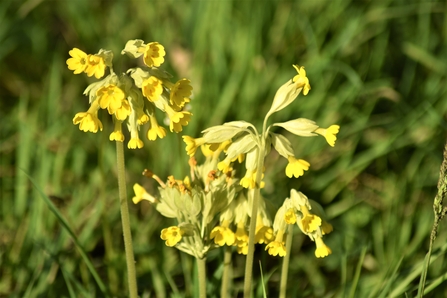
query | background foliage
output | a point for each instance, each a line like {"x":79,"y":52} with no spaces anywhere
{"x":377,"y":68}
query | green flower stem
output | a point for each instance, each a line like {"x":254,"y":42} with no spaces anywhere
{"x":130,"y":260}
{"x":254,"y":217}
{"x":201,"y":269}
{"x":285,"y":263}
{"x":226,"y":272}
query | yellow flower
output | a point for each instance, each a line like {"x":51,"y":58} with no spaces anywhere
{"x":117,"y":134}
{"x":300,"y":80}
{"x":263,"y":234}
{"x":123,"y":111}
{"x":78,"y":62}
{"x":296,"y":167}
{"x":172,"y":235}
{"x":242,"y":248}
{"x":224,"y":166}
{"x":322,"y":250}
{"x":110,"y":97}
{"x":152,"y":88}
{"x":309,"y":221}
{"x":248,"y":181}
{"x":241,"y":233}
{"x":135,"y":143}
{"x":179,"y":120}
{"x":290,"y":216}
{"x":192,"y":144}
{"x":95,"y":66}
{"x":180,"y":93}
{"x":276,"y":248}
{"x":88,"y":121}
{"x":154,"y":54}
{"x":223,"y":235}
{"x":329,"y":134}
{"x":155,"y":130}
{"x":141,"y":194}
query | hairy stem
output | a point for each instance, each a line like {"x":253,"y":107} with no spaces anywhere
{"x":128,"y":247}
{"x":285,"y":263}
{"x":254,"y":215}
{"x":226,"y":273}
{"x":201,"y":271}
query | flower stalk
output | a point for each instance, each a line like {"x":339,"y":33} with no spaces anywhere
{"x":201,"y":269}
{"x":124,"y":210}
{"x":285,"y":263}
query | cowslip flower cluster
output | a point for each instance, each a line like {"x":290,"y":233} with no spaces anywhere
{"x":134,"y":96}
{"x":240,"y":141}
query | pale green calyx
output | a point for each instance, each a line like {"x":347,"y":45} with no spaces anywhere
{"x":285,"y":95}
{"x":241,"y":145}
{"x":107,"y":55}
{"x":221,"y":133}
{"x":300,"y":127}
{"x":281,"y":145}
{"x":134,"y":48}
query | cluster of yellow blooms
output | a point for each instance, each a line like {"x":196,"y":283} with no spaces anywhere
{"x":213,"y":193}
{"x":131,"y":96}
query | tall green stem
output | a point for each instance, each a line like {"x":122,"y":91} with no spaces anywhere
{"x":285,"y":263}
{"x":130,"y":260}
{"x":201,"y":269}
{"x":226,"y":272}
{"x":254,"y":216}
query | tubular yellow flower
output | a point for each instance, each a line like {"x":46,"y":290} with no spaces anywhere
{"x":329,"y":134}
{"x":95,"y":66}
{"x":301,"y":80}
{"x":142,"y":194}
{"x":88,"y":121}
{"x":241,"y":232}
{"x":124,"y":111}
{"x":154,"y":54}
{"x":172,"y":235}
{"x":223,"y":235}
{"x":322,"y":249}
{"x":263,"y":234}
{"x":192,"y":144}
{"x":296,"y":167}
{"x":135,"y":141}
{"x":326,"y":227}
{"x":78,"y":62}
{"x":178,"y":120}
{"x":224,"y":166}
{"x":110,"y":97}
{"x":277,"y":247}
{"x":290,"y":216}
{"x":180,"y":93}
{"x":117,"y":134}
{"x":248,"y":181}
{"x":152,"y":88}
{"x":155,"y":130}
{"x":309,"y":221}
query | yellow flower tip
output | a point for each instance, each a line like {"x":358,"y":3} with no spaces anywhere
{"x":322,"y":249}
{"x":180,"y":93}
{"x":172,"y":235}
{"x":135,"y":143}
{"x":87,"y":122}
{"x":241,"y":235}
{"x":301,"y":80}
{"x":110,"y":97}
{"x":248,"y":181}
{"x":152,"y":88}
{"x":116,"y":136}
{"x":179,"y":120}
{"x":242,"y":249}
{"x":95,"y":66}
{"x":142,"y":194}
{"x":78,"y":61}
{"x":222,"y":236}
{"x":142,"y":119}
{"x":326,"y":228}
{"x":276,"y":248}
{"x":290,"y":216}
{"x":263,"y":234}
{"x":156,"y":131}
{"x":330,"y":134}
{"x":206,"y":151}
{"x":124,"y":111}
{"x":296,"y":167}
{"x":192,"y":144}
{"x":154,"y":54}
{"x":310,"y":223}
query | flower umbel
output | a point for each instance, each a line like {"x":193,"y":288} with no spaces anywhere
{"x":123,"y":94}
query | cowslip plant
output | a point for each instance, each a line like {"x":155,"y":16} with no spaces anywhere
{"x":130,"y":98}
{"x":246,"y":218}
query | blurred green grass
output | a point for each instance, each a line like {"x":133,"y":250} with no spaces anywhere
{"x":377,"y":69}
